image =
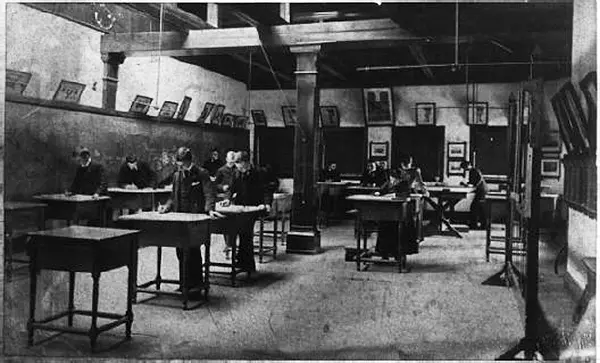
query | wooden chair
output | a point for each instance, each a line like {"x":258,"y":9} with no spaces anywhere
{"x":272,"y":228}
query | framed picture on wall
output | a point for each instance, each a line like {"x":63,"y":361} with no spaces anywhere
{"x":564,"y":126}
{"x":477,"y":113}
{"x":289,"y":115}
{"x":259,"y":118}
{"x":217,"y":115}
{"x":69,"y":91}
{"x":240,"y":122}
{"x":574,"y":112}
{"x":551,"y":168}
{"x":378,"y":106}
{"x":425,"y":113}
{"x":227,"y":120}
{"x":16,"y":81}
{"x":330,"y":117}
{"x":140,"y":104}
{"x":185,"y":106}
{"x":589,"y":87}
{"x":206,"y":111}
{"x":168,"y":109}
{"x":379,"y":150}
{"x":454,"y":168}
{"x":457,"y":150}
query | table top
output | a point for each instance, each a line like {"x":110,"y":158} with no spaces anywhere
{"x":165,"y":217}
{"x":15,"y":206}
{"x":139,"y":191}
{"x":239,"y":209}
{"x":332,"y":183}
{"x":76,"y":198}
{"x":449,"y":189}
{"x":278,"y":196}
{"x":84,"y":232}
{"x":363,"y":187}
{"x":387,"y":198}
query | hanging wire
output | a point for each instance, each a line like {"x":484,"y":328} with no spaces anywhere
{"x":160,"y":31}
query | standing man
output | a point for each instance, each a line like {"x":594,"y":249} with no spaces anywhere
{"x":135,"y":174}
{"x":248,"y":188}
{"x":89,"y":176}
{"x":477,"y":210}
{"x":223,"y":180}
{"x":213,"y":163}
{"x":192,"y":193}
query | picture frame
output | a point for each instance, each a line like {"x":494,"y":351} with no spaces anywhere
{"x":564,"y":126}
{"x":259,"y":118}
{"x":240,"y":122}
{"x":206,"y":111}
{"x":550,"y":168}
{"x":16,"y":81}
{"x":588,"y":86}
{"x":183,"y":109}
{"x":140,"y":104}
{"x":330,"y":116}
{"x":379,"y":150}
{"x":168,"y":109}
{"x":477,"y":113}
{"x":68,"y":91}
{"x":457,"y":150}
{"x":217,"y":116}
{"x":574,"y":111}
{"x":453,"y":168}
{"x":378,"y":106}
{"x":227,"y":120}
{"x":425,"y":113}
{"x":289,"y":115}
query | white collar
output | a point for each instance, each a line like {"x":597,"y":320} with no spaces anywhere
{"x":87,"y":164}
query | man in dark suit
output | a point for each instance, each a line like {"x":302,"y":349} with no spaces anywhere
{"x":89,"y":176}
{"x":477,"y":210}
{"x":248,"y":188}
{"x":224,"y":180}
{"x":135,"y":174}
{"x":192,"y":193}
{"x":214,"y":163}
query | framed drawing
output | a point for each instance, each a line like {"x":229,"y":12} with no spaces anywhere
{"x":457,"y":150}
{"x":378,"y":106}
{"x":289,"y":115}
{"x":564,"y":126}
{"x":551,"y":168}
{"x":425,"y":113}
{"x":227,"y":120}
{"x":140,"y":104}
{"x":217,"y":115}
{"x":477,"y":113}
{"x":454,"y":168}
{"x":69,"y":91}
{"x":259,"y":118}
{"x":183,"y":109}
{"x":168,"y":109}
{"x":572,"y":106}
{"x":16,"y":81}
{"x":240,"y":122}
{"x":206,"y":111}
{"x":589,"y":88}
{"x":379,"y":150}
{"x":330,"y":117}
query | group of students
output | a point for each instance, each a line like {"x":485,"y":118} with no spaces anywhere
{"x":196,"y":189}
{"x":402,"y":181}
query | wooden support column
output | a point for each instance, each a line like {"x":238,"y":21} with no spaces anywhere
{"x":111,"y":78}
{"x":304,"y":237}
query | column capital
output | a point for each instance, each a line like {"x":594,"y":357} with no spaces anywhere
{"x":308,"y":48}
{"x":113,"y":58}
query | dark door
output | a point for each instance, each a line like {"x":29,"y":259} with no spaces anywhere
{"x":345,"y":147}
{"x":425,"y":144}
{"x":275,"y":146}
{"x":489,"y":149}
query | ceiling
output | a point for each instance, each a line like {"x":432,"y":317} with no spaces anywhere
{"x":496,"y":43}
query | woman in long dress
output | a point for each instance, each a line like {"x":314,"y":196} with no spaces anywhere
{"x":402,"y":181}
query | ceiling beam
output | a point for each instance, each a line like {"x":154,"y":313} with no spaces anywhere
{"x":177,"y":18}
{"x":223,"y":41}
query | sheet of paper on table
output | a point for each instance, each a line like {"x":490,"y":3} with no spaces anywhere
{"x":165,"y":217}
{"x":69,"y":198}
